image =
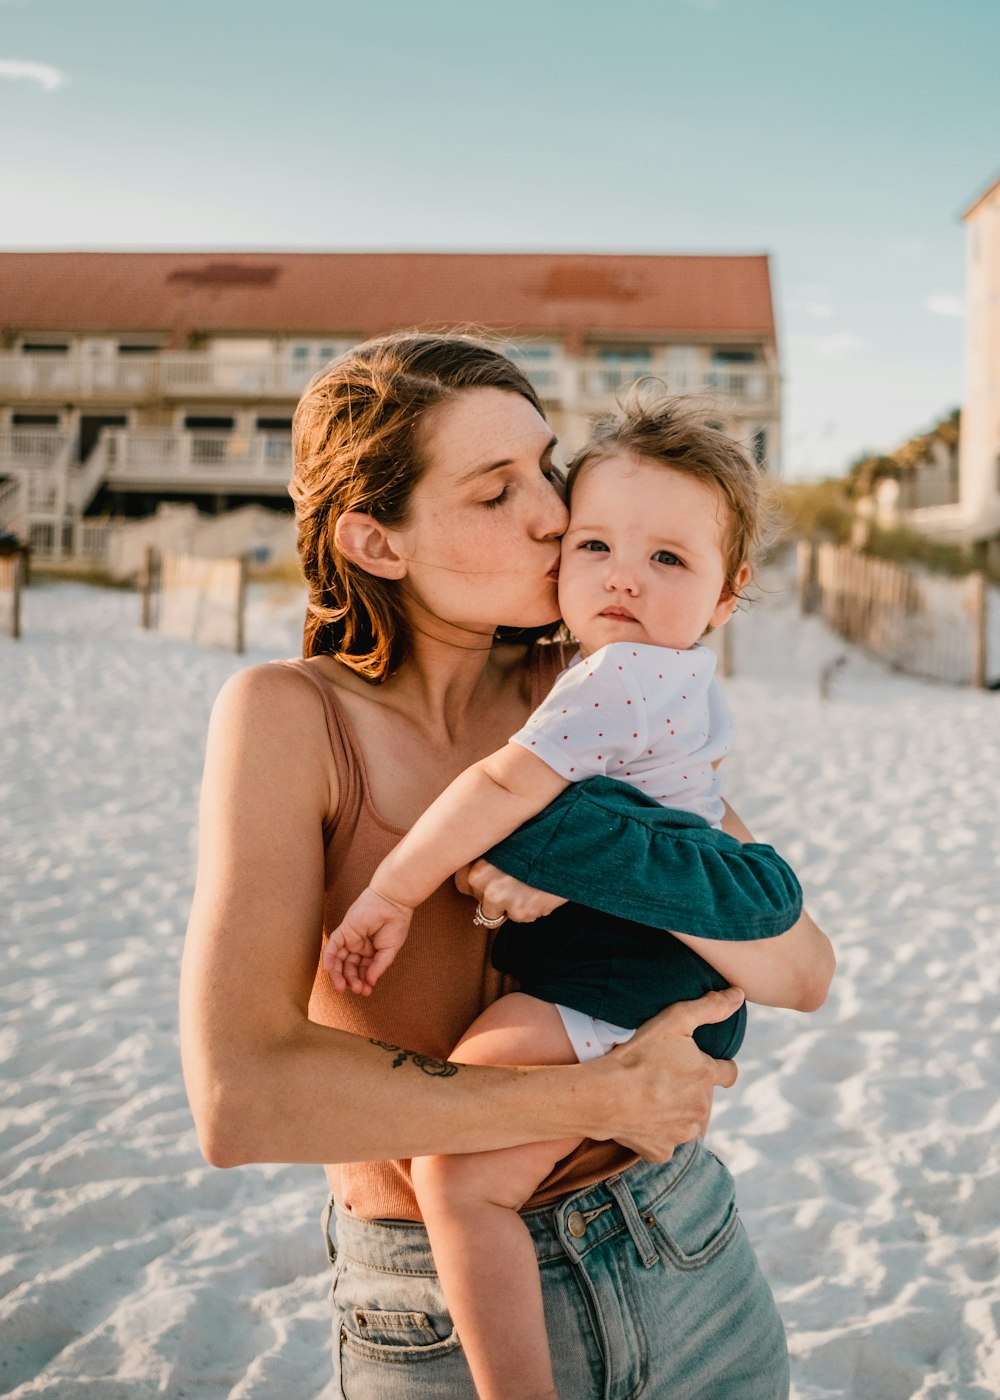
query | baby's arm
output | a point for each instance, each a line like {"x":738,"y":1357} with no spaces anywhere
{"x":482,"y":806}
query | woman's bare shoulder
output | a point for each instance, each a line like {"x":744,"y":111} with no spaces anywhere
{"x":272,"y":719}
{"x":267,"y":694}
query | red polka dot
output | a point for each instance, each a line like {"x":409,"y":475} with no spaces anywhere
{"x":673,"y":731}
{"x":649,"y":750}
{"x":565,"y":736}
{"x":628,"y":702}
{"x":635,"y":736}
{"x":572,"y":770}
{"x":619,"y":668}
{"x":597,"y":704}
{"x":621,"y":761}
{"x":532,"y":743}
{"x":600,"y":756}
{"x":601,"y":735}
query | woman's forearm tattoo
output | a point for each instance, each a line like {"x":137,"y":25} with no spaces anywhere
{"x":441,"y":1069}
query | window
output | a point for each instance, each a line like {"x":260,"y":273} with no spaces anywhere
{"x":621,"y":365}
{"x":760,"y":447}
{"x":683,"y":364}
{"x":34,"y":420}
{"x":138,"y":349}
{"x":198,"y":423}
{"x":210,"y":443}
{"x":44,"y":347}
{"x":274,"y":425}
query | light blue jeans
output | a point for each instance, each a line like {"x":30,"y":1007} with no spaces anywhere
{"x":652,"y":1290}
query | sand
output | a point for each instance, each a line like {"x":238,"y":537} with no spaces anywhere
{"x":864,"y":1138}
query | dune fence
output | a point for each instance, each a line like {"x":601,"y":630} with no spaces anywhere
{"x":195,"y":599}
{"x":13,"y":576}
{"x":924,"y":624}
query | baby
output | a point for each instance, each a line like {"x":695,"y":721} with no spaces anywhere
{"x":664,"y":513}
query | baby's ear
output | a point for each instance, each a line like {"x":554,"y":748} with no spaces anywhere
{"x":730,"y":596}
{"x":366,"y":543}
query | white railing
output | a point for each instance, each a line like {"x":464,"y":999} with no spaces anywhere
{"x":152,"y":454}
{"x":174,"y":374}
{"x":168,"y":374}
{"x":753,"y":384}
{"x":30,"y":447}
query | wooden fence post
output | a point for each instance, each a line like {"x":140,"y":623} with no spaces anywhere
{"x":977,"y":607}
{"x":12,"y":572}
{"x":241,"y":606}
{"x":148,"y":581}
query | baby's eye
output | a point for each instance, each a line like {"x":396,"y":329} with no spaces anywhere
{"x":596,"y":546}
{"x":663,"y":556}
{"x":496,"y":500}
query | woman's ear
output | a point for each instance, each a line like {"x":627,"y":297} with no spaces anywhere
{"x":730,"y":596}
{"x":365,"y":542}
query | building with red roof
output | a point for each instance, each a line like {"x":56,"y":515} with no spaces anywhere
{"x":127,"y":379}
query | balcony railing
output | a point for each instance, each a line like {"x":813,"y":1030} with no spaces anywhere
{"x":183,"y":375}
{"x":147,"y":454}
{"x":31,"y":447}
{"x":168,"y":374}
{"x":601,"y":379}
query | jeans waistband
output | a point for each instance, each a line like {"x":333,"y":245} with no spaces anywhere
{"x":572,"y":1225}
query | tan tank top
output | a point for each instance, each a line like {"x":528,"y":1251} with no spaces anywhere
{"x":440,"y":981}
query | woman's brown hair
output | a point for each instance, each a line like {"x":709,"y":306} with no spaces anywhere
{"x":356,"y":447}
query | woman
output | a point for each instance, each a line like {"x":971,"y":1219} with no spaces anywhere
{"x":427,"y":521}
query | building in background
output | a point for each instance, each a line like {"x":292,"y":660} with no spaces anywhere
{"x":133,"y":379}
{"x":969,"y":511}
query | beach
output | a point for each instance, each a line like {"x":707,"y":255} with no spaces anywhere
{"x":865,"y":1138}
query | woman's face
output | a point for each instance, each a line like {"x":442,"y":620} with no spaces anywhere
{"x":481,"y":544}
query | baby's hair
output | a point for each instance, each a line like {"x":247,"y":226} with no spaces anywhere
{"x":651,"y":422}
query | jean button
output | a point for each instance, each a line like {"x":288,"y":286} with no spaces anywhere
{"x":576,"y":1224}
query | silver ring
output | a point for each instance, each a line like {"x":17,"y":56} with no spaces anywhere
{"x":480,"y":918}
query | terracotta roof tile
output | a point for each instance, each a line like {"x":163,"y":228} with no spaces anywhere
{"x":366,"y":293}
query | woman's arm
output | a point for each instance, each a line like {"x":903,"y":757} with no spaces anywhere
{"x":484,"y":804}
{"x":793,"y":970}
{"x":267,"y":1084}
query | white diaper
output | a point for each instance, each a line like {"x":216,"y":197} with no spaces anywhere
{"x":589,"y":1037}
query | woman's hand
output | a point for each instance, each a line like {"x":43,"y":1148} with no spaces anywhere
{"x":665,"y":1088}
{"x":360,"y":948}
{"x":502,"y":894}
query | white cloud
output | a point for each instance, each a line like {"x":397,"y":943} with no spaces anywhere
{"x":44,"y":74}
{"x":944,"y":304}
{"x":835,"y":346}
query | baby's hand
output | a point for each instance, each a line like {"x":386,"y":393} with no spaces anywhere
{"x":497,"y":891}
{"x":360,"y":949}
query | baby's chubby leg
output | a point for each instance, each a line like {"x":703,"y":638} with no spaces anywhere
{"x":482,"y":1248}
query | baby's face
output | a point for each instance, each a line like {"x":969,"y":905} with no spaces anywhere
{"x":642,"y":560}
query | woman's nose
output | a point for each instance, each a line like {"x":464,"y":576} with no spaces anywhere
{"x":552,"y":517}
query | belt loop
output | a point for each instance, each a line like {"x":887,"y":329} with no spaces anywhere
{"x":634,"y":1222}
{"x":331,"y":1250}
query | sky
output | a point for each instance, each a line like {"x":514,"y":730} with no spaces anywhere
{"x":842,"y":137}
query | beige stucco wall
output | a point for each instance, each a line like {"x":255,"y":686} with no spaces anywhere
{"x":980,"y":441}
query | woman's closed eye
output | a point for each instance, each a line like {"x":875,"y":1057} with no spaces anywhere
{"x":664,"y":556}
{"x":497,"y":500}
